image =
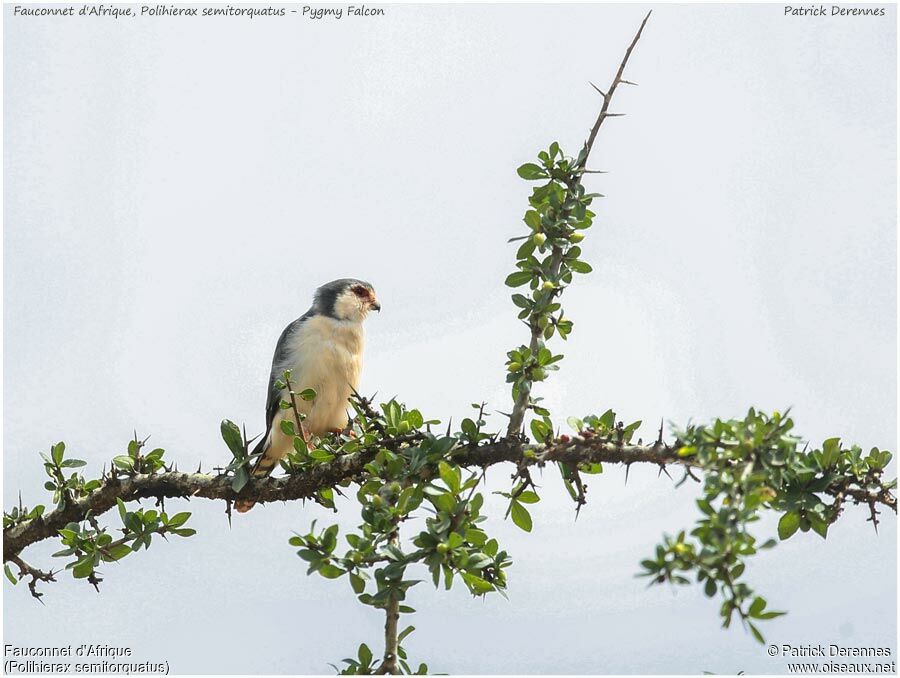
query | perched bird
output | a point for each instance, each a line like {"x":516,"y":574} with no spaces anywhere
{"x":323,"y":349}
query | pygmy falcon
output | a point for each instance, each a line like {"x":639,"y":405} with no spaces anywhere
{"x":323,"y":349}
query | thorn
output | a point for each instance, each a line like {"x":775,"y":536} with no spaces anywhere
{"x":874,"y":518}
{"x":198,"y":466}
{"x":614,"y":115}
{"x":663,"y":469}
{"x":627,"y":469}
{"x":228,"y":511}
{"x":628,"y":82}
{"x":602,"y":93}
{"x":659,"y":439}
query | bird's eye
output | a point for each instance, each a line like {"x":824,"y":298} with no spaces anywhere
{"x":360,"y":291}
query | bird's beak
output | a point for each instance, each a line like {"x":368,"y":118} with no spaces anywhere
{"x":375,"y":306}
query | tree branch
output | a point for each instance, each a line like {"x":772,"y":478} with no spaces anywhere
{"x":348,"y":467}
{"x":36,"y":575}
{"x":520,"y":407}
{"x":608,"y":95}
{"x":389,"y":665}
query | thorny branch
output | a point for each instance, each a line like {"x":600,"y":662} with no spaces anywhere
{"x":36,"y":575}
{"x":521,"y":404}
{"x":349,"y":467}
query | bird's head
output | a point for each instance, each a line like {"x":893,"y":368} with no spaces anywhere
{"x":346,"y":299}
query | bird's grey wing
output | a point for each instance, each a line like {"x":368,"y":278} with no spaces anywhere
{"x":279,"y":360}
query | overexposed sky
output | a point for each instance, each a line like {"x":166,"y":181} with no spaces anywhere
{"x":175,"y":189}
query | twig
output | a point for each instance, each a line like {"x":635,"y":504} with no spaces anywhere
{"x":35,"y":574}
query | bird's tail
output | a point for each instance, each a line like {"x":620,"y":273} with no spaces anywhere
{"x":263,"y":467}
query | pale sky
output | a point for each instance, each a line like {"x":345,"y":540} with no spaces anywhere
{"x":175,"y":189}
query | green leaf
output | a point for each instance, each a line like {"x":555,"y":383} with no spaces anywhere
{"x":518,"y":278}
{"x":756,"y":633}
{"x":528,"y":497}
{"x":520,"y":516}
{"x":365,"y":655}
{"x":831,"y":451}
{"x":539,"y":430}
{"x":521,"y":300}
{"x":83,"y":567}
{"x":231,"y":434}
{"x":533,"y":220}
{"x":330,"y":571}
{"x":450,"y":476}
{"x":529,"y":171}
{"x":819,"y":526}
{"x":179,"y":519}
{"x":476,"y":584}
{"x":182,"y":532}
{"x":123,"y":462}
{"x":9,"y":574}
{"x":307,"y":394}
{"x":580,"y":266}
{"x":757,"y":606}
{"x":57,"y":452}
{"x":469,"y":428}
{"x":117,"y":552}
{"x":788,"y":524}
{"x":241,"y":478}
{"x":358,"y":583}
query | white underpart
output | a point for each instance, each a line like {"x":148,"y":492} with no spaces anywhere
{"x":325,"y":355}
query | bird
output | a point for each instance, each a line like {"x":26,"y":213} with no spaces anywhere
{"x":323,"y":349}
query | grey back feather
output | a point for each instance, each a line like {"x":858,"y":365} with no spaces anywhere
{"x":273,"y":400}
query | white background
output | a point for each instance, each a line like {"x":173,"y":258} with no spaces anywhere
{"x":175,"y":189}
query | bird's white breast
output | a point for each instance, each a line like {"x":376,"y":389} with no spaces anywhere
{"x":325,"y":354}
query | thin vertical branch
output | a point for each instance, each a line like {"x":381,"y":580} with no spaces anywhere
{"x":521,"y":404}
{"x":392,"y":615}
{"x":520,"y":407}
{"x":608,"y":95}
{"x":390,"y":664}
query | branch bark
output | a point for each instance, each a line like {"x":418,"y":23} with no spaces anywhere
{"x":349,"y":467}
{"x":390,"y":662}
